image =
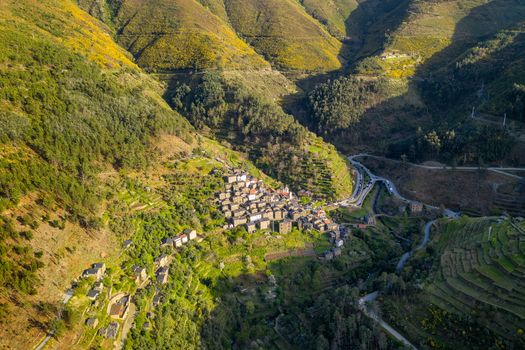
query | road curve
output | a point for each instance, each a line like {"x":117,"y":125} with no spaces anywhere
{"x":501,"y":170}
{"x":361,"y":191}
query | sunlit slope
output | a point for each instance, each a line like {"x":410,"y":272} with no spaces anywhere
{"x":75,"y":114}
{"x":217,"y":7}
{"x":332,"y":13}
{"x":67,"y":25}
{"x":432,"y":34}
{"x":166,"y":35}
{"x":285,"y":34}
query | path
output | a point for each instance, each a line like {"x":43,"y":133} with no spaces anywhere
{"x":67,"y":295}
{"x":500,"y":170}
{"x":423,"y":244}
{"x":128,"y":323}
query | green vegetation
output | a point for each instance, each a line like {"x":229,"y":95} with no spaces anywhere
{"x":63,"y":116}
{"x":180,"y":34}
{"x":332,"y":14}
{"x":285,"y":34}
{"x":340,"y":103}
{"x":221,"y":294}
{"x":274,"y":141}
{"x":472,"y":276}
{"x":488,"y":75}
{"x":18,"y":263}
{"x":464,"y":144}
{"x":89,"y":149}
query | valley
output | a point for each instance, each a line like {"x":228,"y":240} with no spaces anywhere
{"x":277,"y":174}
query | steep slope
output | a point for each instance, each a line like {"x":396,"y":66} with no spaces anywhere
{"x":333,"y":14}
{"x":180,"y":34}
{"x":167,"y":37}
{"x":471,"y":282}
{"x":79,"y":123}
{"x":437,"y":60}
{"x":488,"y":76}
{"x":432,"y":34}
{"x":285,"y":34}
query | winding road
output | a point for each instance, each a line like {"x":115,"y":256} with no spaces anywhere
{"x":361,"y":191}
{"x":500,"y":170}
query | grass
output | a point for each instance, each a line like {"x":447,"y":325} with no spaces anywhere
{"x":69,"y":26}
{"x":304,"y":46}
{"x":188,"y":36}
{"x":333,"y":14}
{"x":328,"y":170}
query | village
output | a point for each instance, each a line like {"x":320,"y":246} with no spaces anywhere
{"x":246,"y":201}
{"x":119,"y":305}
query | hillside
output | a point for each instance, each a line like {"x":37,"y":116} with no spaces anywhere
{"x":167,"y":35}
{"x":180,"y":34}
{"x":332,"y":14}
{"x":437,"y":61}
{"x":92,"y":155}
{"x":156,"y":30}
{"x":80,"y":122}
{"x":285,"y":34}
{"x":172,"y":174}
{"x":471,"y":277}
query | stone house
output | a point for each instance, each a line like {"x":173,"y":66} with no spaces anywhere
{"x":264,"y":224}
{"x":250,"y":227}
{"x":192,"y":234}
{"x":162,"y":260}
{"x":284,"y":226}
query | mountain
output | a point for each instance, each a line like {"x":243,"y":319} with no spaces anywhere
{"x":220,"y":34}
{"x":180,"y":34}
{"x":332,"y":14}
{"x":80,"y":123}
{"x":437,"y":60}
{"x":121,"y":119}
{"x":285,"y":34}
{"x":84,"y":128}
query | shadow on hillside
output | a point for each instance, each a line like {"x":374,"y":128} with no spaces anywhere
{"x":396,"y":119}
{"x":367,"y":30}
{"x":257,"y":311}
{"x":368,"y":25}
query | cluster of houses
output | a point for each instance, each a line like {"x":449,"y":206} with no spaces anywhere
{"x":97,"y":272}
{"x":178,"y":241}
{"x":110,"y":331}
{"x":337,"y":239}
{"x":119,"y":309}
{"x":246,"y":201}
{"x":162,"y":261}
{"x":162,"y":266}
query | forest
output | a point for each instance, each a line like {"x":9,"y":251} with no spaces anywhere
{"x":65,"y":120}
{"x":273,"y":140}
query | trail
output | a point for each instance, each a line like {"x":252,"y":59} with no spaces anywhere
{"x":499,"y":170}
{"x":67,"y":295}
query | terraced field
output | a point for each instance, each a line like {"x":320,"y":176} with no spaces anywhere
{"x":482,"y":272}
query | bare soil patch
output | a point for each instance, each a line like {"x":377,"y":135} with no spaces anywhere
{"x":470,"y":191}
